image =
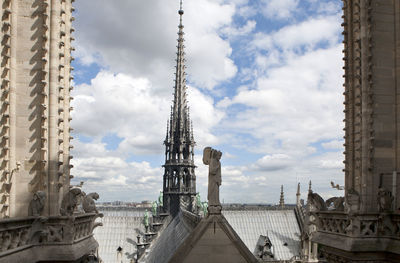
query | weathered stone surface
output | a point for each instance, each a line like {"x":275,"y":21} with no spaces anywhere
{"x":35,"y":70}
{"x":36,"y":239}
{"x":372,"y":45}
{"x":213,"y":241}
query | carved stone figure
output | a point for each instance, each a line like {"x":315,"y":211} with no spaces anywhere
{"x":70,"y":202}
{"x":337,"y":186}
{"x":212,"y":158}
{"x":335,"y":203}
{"x":55,"y":233}
{"x":154,"y":208}
{"x":88,"y":203}
{"x":317,"y":201}
{"x":205,"y":208}
{"x":352,"y":200}
{"x":37,"y":203}
{"x":160,"y":199}
{"x":146,"y":221}
{"x":385,"y":200}
{"x":263,"y":249}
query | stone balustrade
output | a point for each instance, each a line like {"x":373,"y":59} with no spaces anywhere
{"x":19,"y":237}
{"x":359,"y":225}
{"x":14,"y":234}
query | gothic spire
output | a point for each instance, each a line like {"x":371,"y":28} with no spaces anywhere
{"x":179,"y":184}
{"x":282,"y":198}
{"x":180,"y":119}
{"x":298,"y":194}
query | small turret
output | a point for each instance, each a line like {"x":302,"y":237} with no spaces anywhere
{"x":298,"y":203}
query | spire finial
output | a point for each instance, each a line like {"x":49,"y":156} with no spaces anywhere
{"x":309,"y":187}
{"x":180,"y":12}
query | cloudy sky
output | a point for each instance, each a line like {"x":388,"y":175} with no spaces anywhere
{"x":265,"y":88}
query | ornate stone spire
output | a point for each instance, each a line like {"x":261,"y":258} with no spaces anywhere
{"x":298,"y":195}
{"x":179,"y":177}
{"x":282,"y":198}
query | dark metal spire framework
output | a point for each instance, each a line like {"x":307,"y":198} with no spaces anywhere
{"x":179,"y":182}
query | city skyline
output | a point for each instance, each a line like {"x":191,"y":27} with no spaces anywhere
{"x":264,"y":86}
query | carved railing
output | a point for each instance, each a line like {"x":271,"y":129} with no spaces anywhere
{"x":359,"y":225}
{"x":20,"y":234}
{"x":14,"y":234}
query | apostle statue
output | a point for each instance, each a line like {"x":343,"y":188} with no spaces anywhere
{"x":211,"y":157}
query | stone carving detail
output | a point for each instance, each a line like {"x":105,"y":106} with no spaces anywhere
{"x":317,"y":201}
{"x":88,"y":203}
{"x":335,"y":203}
{"x":263,"y":249}
{"x":37,"y":204}
{"x":352,"y":200}
{"x":386,"y":226}
{"x":212,"y":158}
{"x":54,"y":233}
{"x":13,"y":239}
{"x":385,"y":200}
{"x":19,"y":233}
{"x":70,"y":202}
{"x":359,"y":225}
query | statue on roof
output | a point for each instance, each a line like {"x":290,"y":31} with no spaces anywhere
{"x":89,"y":204}
{"x":160,"y":199}
{"x":146,"y":220}
{"x":211,"y":157}
{"x":154,"y":208}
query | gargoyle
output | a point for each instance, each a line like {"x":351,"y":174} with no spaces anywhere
{"x":70,"y":202}
{"x":88,"y":204}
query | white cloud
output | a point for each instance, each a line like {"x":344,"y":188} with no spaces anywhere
{"x":240,"y":31}
{"x":294,"y":105}
{"x":130,"y":108}
{"x":144,"y":44}
{"x":279,"y":9}
{"x":273,"y":162}
{"x":134,"y":111}
{"x":290,"y":98}
{"x":305,"y":35}
{"x":113,"y":177}
{"x":334,"y":144}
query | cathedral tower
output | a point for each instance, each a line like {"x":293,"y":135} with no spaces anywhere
{"x":35,"y":40}
{"x":179,"y":182}
{"x":35,"y":103}
{"x":372,"y":136}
